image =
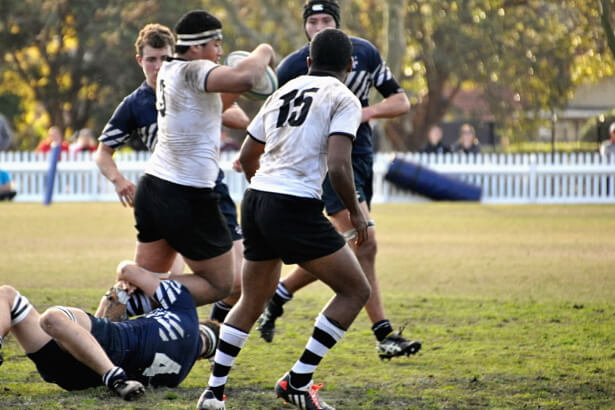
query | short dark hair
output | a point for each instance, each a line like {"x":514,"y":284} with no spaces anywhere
{"x":330,"y":50}
{"x":154,"y":35}
{"x":193,"y":22}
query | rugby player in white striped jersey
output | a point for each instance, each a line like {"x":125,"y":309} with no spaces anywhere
{"x":303,"y":130}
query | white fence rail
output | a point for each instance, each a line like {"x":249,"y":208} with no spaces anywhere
{"x":504,"y":178}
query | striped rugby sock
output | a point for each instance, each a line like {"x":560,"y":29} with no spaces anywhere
{"x":326,"y":334}
{"x":231,"y":340}
{"x":281,"y":295}
{"x":219,"y":311}
{"x":20,"y":309}
{"x":111,"y":376}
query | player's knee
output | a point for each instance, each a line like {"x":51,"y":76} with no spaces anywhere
{"x":7,"y":293}
{"x":225,"y":289}
{"x":235,"y":294}
{"x":50,"y":320}
{"x":54,"y":319}
{"x":368,"y":249}
{"x":220,"y":287}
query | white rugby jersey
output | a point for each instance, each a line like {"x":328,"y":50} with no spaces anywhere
{"x":189,"y":123}
{"x":294,"y":124}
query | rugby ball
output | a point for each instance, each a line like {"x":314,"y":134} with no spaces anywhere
{"x":264,"y":87}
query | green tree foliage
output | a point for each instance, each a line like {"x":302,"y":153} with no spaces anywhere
{"x":523,"y":56}
{"x":71,"y":61}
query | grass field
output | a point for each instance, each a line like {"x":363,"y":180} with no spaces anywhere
{"x":515,"y":306}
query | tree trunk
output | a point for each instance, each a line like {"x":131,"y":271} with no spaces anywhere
{"x":605,"y":20}
{"x":395,"y":44}
{"x":394,"y":51}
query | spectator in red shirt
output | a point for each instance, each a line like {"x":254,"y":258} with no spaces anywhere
{"x":85,"y":142}
{"x":54,"y":137}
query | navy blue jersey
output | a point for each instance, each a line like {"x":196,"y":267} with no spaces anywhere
{"x":368,"y":70}
{"x":135,"y":116}
{"x":161,"y":347}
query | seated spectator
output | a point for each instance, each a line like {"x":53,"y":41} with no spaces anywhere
{"x":434,"y":141}
{"x":54,"y":137}
{"x":467,"y":143}
{"x":6,"y":187}
{"x":85,"y":142}
{"x":608,"y":147}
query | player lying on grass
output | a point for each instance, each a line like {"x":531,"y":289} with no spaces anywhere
{"x":75,"y":350}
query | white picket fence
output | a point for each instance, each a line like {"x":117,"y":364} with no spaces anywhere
{"x":504,"y":178}
{"x":570,"y":178}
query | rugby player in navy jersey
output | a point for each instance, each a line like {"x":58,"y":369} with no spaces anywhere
{"x":76,"y":351}
{"x":136,"y":116}
{"x":368,"y":70}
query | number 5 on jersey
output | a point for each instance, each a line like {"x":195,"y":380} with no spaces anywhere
{"x":295,"y":108}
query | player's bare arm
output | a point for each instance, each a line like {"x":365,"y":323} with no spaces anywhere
{"x":228,"y":100}
{"x":392,"y":106}
{"x":249,"y":155}
{"x":235,"y":117}
{"x":133,"y":274}
{"x":244,"y":76}
{"x":104,"y":160}
{"x":341,"y":177}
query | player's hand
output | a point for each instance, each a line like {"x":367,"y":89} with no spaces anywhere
{"x":127,"y":286}
{"x":271,"y":53}
{"x":367,"y":113}
{"x":237,"y":165}
{"x":360,"y":224}
{"x":125,"y":191}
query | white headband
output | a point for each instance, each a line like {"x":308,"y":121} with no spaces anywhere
{"x":198,"y":38}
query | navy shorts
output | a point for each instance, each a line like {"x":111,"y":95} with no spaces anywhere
{"x":278,"y":226}
{"x":228,"y":208}
{"x":362,"y":168}
{"x":58,"y":366}
{"x":188,"y":218}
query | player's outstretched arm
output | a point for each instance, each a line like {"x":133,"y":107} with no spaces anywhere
{"x":136,"y":276}
{"x":341,"y":177}
{"x":249,"y":155}
{"x":244,"y":76}
{"x":104,"y":160}
{"x":395,"y":105}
